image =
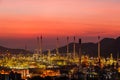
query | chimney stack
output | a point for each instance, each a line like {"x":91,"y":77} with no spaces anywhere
{"x":67,"y":46}
{"x":41,"y":41}
{"x":38,"y":45}
{"x":74,"y":52}
{"x":99,"y":47}
{"x":80,"y":52}
{"x":57,"y":51}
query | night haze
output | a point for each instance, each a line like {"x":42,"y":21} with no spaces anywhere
{"x":21,"y":21}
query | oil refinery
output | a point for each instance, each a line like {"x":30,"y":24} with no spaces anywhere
{"x":76,"y":66}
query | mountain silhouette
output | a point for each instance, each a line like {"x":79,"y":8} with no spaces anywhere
{"x":5,"y":50}
{"x":107,"y":45}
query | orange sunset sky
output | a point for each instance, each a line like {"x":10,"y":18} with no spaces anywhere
{"x":22,"y":20}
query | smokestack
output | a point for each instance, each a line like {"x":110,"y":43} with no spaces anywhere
{"x":99,"y":47}
{"x":67,"y":45}
{"x":38,"y":45}
{"x":41,"y":41}
{"x":57,"y":51}
{"x":80,"y":52}
{"x":74,"y":49}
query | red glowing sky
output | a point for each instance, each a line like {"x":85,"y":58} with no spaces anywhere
{"x":28,"y":18}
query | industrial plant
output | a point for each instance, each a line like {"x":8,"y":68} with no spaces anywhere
{"x":54,"y":65}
